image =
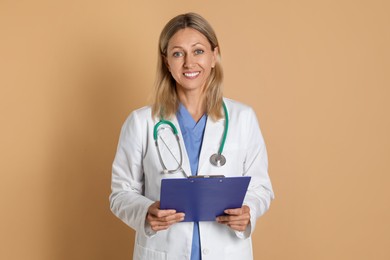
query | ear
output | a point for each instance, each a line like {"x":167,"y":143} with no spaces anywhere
{"x":215,"y":56}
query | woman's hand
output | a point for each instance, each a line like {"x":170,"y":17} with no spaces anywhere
{"x":237,"y":219}
{"x":162,"y":219}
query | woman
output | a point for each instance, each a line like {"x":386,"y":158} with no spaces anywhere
{"x":189,"y":94}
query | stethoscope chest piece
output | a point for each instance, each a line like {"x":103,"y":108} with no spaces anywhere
{"x":217,"y":160}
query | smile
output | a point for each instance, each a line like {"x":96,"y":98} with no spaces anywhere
{"x":191,"y":74}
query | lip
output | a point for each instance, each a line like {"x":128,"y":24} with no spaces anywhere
{"x":191,"y":74}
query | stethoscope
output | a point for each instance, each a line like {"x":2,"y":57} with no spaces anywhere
{"x":216,"y":159}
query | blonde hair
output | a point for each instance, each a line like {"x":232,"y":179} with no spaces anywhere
{"x":166,"y":101}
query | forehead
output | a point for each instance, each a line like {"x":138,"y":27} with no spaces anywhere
{"x":187,"y":37}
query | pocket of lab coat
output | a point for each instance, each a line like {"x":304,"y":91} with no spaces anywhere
{"x":242,"y":250}
{"x":141,"y":253}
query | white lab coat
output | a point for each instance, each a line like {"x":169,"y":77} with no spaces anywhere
{"x":136,"y":178}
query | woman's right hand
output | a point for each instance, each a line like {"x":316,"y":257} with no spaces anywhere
{"x":159,"y":219}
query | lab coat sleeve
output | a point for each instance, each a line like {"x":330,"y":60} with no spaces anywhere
{"x":127,"y":201}
{"x":260,"y":193}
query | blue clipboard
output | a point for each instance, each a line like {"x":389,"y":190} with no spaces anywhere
{"x":203,"y":199}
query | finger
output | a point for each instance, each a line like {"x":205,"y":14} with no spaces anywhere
{"x":155,"y":210}
{"x":238,"y":211}
{"x":235,"y":212}
{"x":234,"y":222}
{"x":229,"y":223}
{"x":159,"y":227}
{"x":165,"y":214}
{"x":233,"y":218}
{"x":171,"y":218}
{"x":154,"y":221}
{"x":158,"y":224}
{"x":238,"y":227}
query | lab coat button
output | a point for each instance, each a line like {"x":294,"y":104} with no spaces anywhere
{"x":205,"y":251}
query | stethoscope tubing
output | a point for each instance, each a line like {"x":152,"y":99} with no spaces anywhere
{"x":220,"y":150}
{"x":162,"y":122}
{"x":216,"y":159}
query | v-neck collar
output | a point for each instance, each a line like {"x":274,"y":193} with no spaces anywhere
{"x":185,"y":118}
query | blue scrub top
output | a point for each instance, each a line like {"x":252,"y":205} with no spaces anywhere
{"x":192,"y":133}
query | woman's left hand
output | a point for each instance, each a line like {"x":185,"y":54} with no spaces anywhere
{"x":237,"y":219}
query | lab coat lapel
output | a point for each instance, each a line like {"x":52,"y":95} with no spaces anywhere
{"x":211,"y":141}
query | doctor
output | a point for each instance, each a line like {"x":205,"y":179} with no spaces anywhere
{"x":189,"y":95}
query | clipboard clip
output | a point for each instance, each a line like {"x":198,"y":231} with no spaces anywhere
{"x":205,"y":176}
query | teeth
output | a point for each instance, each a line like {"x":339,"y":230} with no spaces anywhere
{"x":192,"y":74}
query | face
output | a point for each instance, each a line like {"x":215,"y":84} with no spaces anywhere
{"x":190,"y":60}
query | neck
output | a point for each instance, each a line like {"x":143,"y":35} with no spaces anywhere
{"x":195,"y":104}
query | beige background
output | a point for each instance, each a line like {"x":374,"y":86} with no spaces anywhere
{"x":316,"y":72}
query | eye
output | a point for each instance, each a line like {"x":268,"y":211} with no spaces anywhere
{"x":177,"y":54}
{"x":199,"y":51}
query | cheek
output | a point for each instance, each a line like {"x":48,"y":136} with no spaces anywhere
{"x":208,"y":63}
{"x":207,"y":66}
{"x":176,"y":72}
{"x":173,"y":68}
{"x":173,"y":71}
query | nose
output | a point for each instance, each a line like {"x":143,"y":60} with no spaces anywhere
{"x":189,"y":61}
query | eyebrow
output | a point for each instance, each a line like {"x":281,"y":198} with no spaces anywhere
{"x":179,"y":47}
